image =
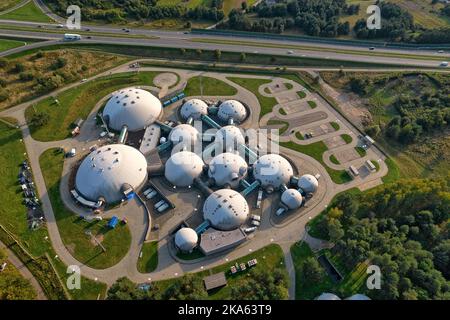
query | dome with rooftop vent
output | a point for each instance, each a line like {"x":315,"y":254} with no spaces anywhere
{"x":230,"y":137}
{"x":194,"y":109}
{"x":232,"y":109}
{"x":131,"y":107}
{"x":182,"y":168}
{"x":105,"y":172}
{"x":308,"y":183}
{"x":291,"y":198}
{"x":186,"y":239}
{"x":227,"y":169}
{"x":185,"y":134}
{"x":225,"y":209}
{"x":272,"y":171}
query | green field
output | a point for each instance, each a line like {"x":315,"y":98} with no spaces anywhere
{"x":316,"y":151}
{"x":347,"y":138}
{"x":78,"y":102}
{"x":251,"y":84}
{"x":334,"y":160}
{"x":7,"y":4}
{"x":284,"y":125}
{"x":206,"y":86}
{"x":312,"y":104}
{"x":6,"y":44}
{"x":28,"y":12}
{"x":148,"y":262}
{"x":73,"y":229}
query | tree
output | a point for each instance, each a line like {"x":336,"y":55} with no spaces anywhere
{"x":124,"y":289}
{"x":19,"y":67}
{"x":39,"y":119}
{"x":189,"y":287}
{"x":312,"y":272}
{"x":262,"y":285}
{"x":243,"y":56}
{"x":244,"y":5}
{"x":217,"y":54}
{"x":373,"y":131}
{"x":335,"y":230}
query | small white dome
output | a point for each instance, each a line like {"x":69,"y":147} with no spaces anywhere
{"x":328,"y":296}
{"x":358,"y":296}
{"x":230,"y":137}
{"x":186,"y":239}
{"x":132,"y":107}
{"x":104,"y":172}
{"x":292,"y":198}
{"x":184,"y":133}
{"x":272,"y":170}
{"x":232,"y":109}
{"x":182,"y":168}
{"x":308,"y":183}
{"x":227,"y":169}
{"x":194,"y":108}
{"x":225,"y":209}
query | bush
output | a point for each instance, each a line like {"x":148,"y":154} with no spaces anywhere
{"x":19,"y":67}
{"x":3,"y":62}
{"x":59,"y":63}
{"x":4,"y":95}
{"x":39,"y":119}
{"x":26,"y":76}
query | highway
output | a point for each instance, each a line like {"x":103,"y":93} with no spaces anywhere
{"x":174,"y":39}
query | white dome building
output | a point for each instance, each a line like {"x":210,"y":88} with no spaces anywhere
{"x":272,"y":171}
{"x":327,"y":296}
{"x":292,"y":199}
{"x":358,"y":296}
{"x":194,"y":109}
{"x":184,"y":133}
{"x":225,"y":209}
{"x":232,"y":109}
{"x":227,"y":169}
{"x":308,"y":183}
{"x":186,"y":239}
{"x":132,"y":107}
{"x":105,"y":171}
{"x":230,"y":137}
{"x":182,"y":168}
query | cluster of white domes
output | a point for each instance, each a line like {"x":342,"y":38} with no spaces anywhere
{"x":308,"y":183}
{"x":186,"y":239}
{"x":227,"y":169}
{"x":292,"y":198}
{"x":225,"y":209}
{"x":232,"y":109}
{"x":185,"y":134}
{"x":272,"y":171}
{"x":182,"y":168}
{"x":230,"y":137}
{"x":132,"y":107}
{"x":105,"y":171}
{"x":194,"y":109}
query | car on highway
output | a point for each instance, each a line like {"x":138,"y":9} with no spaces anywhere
{"x":290,"y":52}
{"x":60,"y":26}
{"x":444,"y":64}
{"x":372,"y":48}
{"x":441,"y":51}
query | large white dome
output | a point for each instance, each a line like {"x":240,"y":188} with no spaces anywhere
{"x":272,"y":170}
{"x":292,"y":198}
{"x":194,"y":108}
{"x":186,"y":239}
{"x":308,"y":183}
{"x":182,"y":168}
{"x":225,"y":209}
{"x":104,"y":172}
{"x":227,"y":169}
{"x":135,"y":108}
{"x":230,"y":137}
{"x":232,"y":109}
{"x":185,"y":134}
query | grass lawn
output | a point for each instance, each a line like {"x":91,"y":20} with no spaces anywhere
{"x":288,"y":85}
{"x":149,"y":260}
{"x":78,"y":102}
{"x":347,"y":138}
{"x":283,"y":112}
{"x":376,"y":164}
{"x":334,"y":160}
{"x":312,"y":104}
{"x":393,"y":171}
{"x":316,"y":151}
{"x":6,"y":4}
{"x":284,"y":124}
{"x":335,"y":125}
{"x":13,"y":286}
{"x":28,"y":12}
{"x":301,"y":94}
{"x":6,"y":44}
{"x":361,"y":151}
{"x":299,"y":135}
{"x":266,"y":103}
{"x":206,"y":86}
{"x":73,"y":229}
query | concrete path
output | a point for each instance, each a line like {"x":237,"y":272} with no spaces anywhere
{"x":12,"y":258}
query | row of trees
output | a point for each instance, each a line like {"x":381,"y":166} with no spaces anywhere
{"x":261,"y":284}
{"x":402,"y":228}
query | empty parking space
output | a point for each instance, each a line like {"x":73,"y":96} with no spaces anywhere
{"x":346,"y":155}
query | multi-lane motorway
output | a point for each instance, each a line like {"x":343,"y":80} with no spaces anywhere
{"x":177,"y":39}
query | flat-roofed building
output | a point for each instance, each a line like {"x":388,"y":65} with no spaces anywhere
{"x":214,"y":281}
{"x":213,"y":241}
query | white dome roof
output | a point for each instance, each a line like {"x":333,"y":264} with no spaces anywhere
{"x":135,"y":108}
{"x":230,"y":137}
{"x":292,"y":198}
{"x":328,"y":296}
{"x":184,"y":133}
{"x":225,"y":209}
{"x":104,"y":171}
{"x":186,"y":239}
{"x":358,"y":296}
{"x":227,"y":168}
{"x":194,"y":108}
{"x":182,"y":167}
{"x":308,"y":183}
{"x":232,"y":109}
{"x":272,"y":170}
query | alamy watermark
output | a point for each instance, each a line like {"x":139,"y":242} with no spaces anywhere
{"x":374,"y":20}
{"x":73,"y":21}
{"x":374,"y":279}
